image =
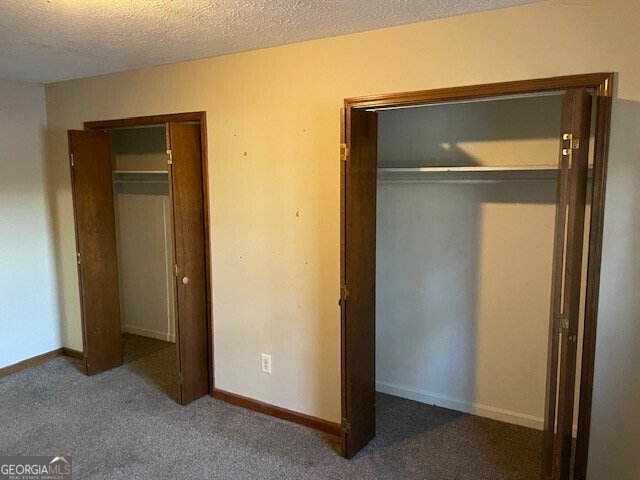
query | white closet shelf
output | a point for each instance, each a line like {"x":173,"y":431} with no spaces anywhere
{"x":467,"y":173}
{"x":140,"y":176}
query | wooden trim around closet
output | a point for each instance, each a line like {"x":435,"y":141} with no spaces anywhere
{"x":602,"y":85}
{"x":207,"y":245}
{"x":278,"y":412}
{"x":601,"y":158}
{"x":145,"y":121}
{"x":600,"y":81}
{"x":161,"y":120}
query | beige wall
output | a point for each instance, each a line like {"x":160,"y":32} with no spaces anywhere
{"x":274,"y":181}
{"x":28,"y":299}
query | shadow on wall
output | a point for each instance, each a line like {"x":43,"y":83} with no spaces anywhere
{"x":615,"y":450}
{"x":468,"y":134}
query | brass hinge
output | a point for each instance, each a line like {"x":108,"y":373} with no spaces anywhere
{"x":176,"y":270}
{"x":344,"y":152}
{"x":78,"y":258}
{"x":560,"y":323}
{"x":72,"y":162}
{"x":169,"y":157}
{"x":345,"y":426}
{"x":344,"y":293}
{"x":574,"y":143}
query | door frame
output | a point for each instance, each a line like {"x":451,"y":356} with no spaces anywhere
{"x":602,"y":85}
{"x":188,"y":117}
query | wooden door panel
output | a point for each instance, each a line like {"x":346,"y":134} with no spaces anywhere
{"x":187,"y":199}
{"x":566,"y":285}
{"x":573,"y":279}
{"x":359,"y":263}
{"x":96,"y":245}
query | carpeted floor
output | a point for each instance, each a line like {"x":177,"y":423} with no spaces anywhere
{"x":125,"y":424}
{"x":154,"y":360}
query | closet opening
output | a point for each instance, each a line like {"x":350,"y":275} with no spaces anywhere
{"x":140,"y":202}
{"x":145,"y":254}
{"x":471,"y":239}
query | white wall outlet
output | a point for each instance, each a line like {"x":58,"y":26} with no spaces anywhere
{"x":265,"y":363}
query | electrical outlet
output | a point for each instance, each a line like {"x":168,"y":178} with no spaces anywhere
{"x":265,"y":363}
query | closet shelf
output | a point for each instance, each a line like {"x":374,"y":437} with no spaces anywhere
{"x":468,"y":173}
{"x":140,"y":176}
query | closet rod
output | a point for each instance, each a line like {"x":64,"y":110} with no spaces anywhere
{"x":140,"y":176}
{"x":470,"y":168}
{"x":469,"y":174}
{"x":139,"y":172}
{"x":140,"y":181}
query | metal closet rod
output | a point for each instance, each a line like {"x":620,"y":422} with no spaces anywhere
{"x":470,"y":168}
{"x":140,"y":176}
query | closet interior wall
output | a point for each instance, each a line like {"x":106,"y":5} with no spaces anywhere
{"x":464,"y":261}
{"x":143,"y":231}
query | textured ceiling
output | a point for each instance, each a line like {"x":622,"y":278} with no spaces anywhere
{"x":51,"y":40}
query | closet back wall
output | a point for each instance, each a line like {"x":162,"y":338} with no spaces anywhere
{"x":464,"y":269}
{"x":143,"y":231}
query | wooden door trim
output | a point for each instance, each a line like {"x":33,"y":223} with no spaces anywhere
{"x":204,"y":148}
{"x":343,"y":275}
{"x":161,"y":120}
{"x":601,"y":159}
{"x":602,"y":84}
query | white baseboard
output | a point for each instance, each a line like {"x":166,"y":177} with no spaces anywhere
{"x":146,"y":332}
{"x":487,"y":411}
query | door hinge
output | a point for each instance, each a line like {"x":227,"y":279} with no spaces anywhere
{"x":344,"y":152}
{"x":574,"y":143}
{"x":176,"y":270}
{"x":169,"y":157}
{"x":180,"y":378}
{"x":345,"y":426}
{"x":78,"y":258}
{"x":560,"y":323}
{"x":344,"y":293}
{"x":72,"y":162}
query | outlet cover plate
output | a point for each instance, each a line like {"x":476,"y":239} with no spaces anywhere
{"x":265,"y":363}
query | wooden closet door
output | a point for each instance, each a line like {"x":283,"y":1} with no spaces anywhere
{"x":187,"y":199}
{"x":566,"y":285}
{"x":96,"y":249}
{"x":359,"y":282}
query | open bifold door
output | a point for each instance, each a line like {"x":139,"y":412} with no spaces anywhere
{"x":187,"y":200}
{"x":91,"y":173}
{"x":358,"y":281}
{"x":96,"y":249}
{"x":566,"y":285}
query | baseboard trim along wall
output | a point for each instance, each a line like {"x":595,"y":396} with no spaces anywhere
{"x":68,"y":352}
{"x":268,"y":409}
{"x":146,"y":332}
{"x":438,"y":400}
{"x":38,"y":359}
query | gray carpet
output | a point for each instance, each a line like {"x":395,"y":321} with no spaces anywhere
{"x":125,"y":424}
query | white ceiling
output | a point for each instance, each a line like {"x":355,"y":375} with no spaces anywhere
{"x":51,"y":40}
